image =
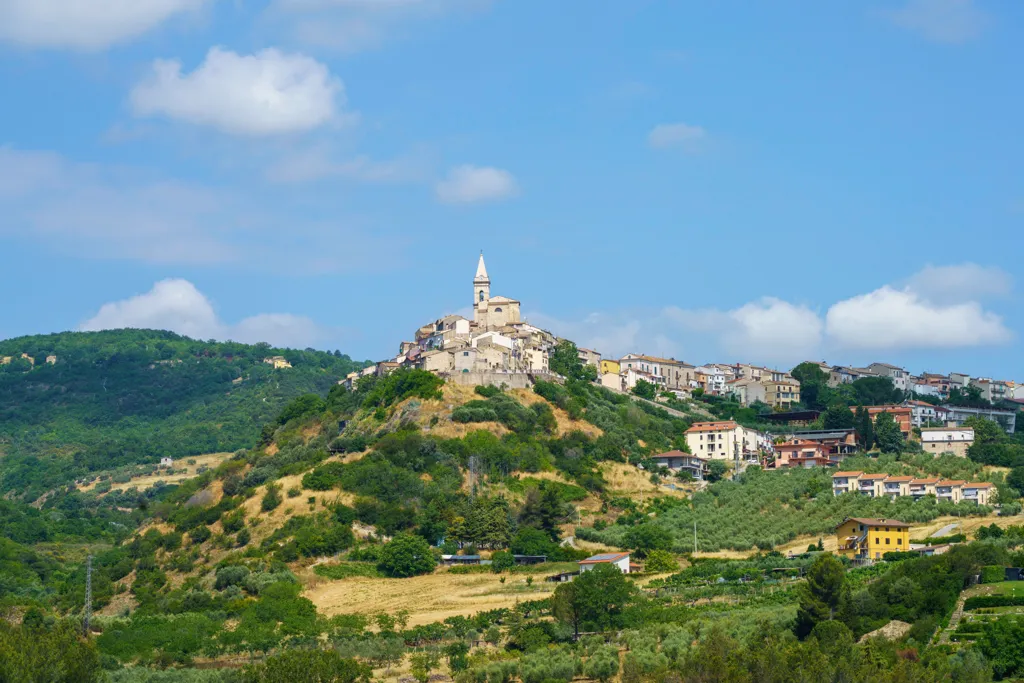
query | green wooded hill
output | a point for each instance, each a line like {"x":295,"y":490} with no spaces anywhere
{"x":122,"y":397}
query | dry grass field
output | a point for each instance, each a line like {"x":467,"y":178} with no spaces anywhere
{"x":142,"y":483}
{"x":428,"y":598}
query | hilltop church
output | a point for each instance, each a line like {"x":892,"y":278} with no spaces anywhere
{"x":491,"y":312}
{"x":496,"y":347}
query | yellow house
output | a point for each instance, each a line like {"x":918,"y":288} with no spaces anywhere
{"x":609,"y":367}
{"x":278,"y":362}
{"x":870,"y":539}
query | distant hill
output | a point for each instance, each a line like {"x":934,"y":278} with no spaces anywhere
{"x":79,"y":402}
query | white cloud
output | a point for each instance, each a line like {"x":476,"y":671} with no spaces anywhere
{"x":177,"y":305}
{"x":768,"y":331}
{"x":941,"y":21}
{"x":938,"y":308}
{"x":472,"y":184}
{"x":960,"y":283}
{"x":676,"y":135}
{"x":890,"y":318}
{"x":268,"y":93}
{"x":84,"y":24}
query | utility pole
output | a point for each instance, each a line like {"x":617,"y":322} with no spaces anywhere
{"x":88,"y":595}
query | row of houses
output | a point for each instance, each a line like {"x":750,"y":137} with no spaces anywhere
{"x":748,"y":383}
{"x":890,"y":486}
{"x":928,"y":383}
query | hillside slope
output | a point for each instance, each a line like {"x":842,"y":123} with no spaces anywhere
{"x":79,"y":402}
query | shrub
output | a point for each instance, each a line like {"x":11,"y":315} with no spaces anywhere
{"x":306,"y":665}
{"x":199,"y":535}
{"x":272,"y":498}
{"x":660,"y":561}
{"x":502,"y":560}
{"x":406,"y":555}
{"x":231,"y":575}
{"x":992,"y":574}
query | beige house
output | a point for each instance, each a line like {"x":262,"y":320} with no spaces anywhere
{"x":278,"y":362}
{"x":845,"y":482}
{"x":955,"y":440}
{"x":669,"y":373}
{"x":781,"y":393}
{"x":878,"y":485}
{"x":590,"y":357}
{"x":725,"y":441}
{"x":980,"y":493}
{"x":747,"y":391}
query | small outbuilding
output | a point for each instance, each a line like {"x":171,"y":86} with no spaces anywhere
{"x":619,"y":560}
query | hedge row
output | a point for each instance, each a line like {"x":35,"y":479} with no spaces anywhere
{"x":994,"y":601}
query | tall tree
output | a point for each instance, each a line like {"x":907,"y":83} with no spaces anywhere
{"x":595,"y":600}
{"x":888,"y":434}
{"x":814,"y":390}
{"x":838,"y":416}
{"x":865,"y":428}
{"x":821,"y":595}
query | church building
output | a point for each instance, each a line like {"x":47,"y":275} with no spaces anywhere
{"x":491,"y":312}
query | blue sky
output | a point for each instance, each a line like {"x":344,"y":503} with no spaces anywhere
{"x":737,"y":180}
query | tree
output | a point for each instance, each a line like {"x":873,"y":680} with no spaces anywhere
{"x":643,"y":538}
{"x":875,"y":391}
{"x":821,"y":595}
{"x":660,"y":561}
{"x":502,"y":560}
{"x":543,"y":509}
{"x":59,"y":654}
{"x":595,"y":600}
{"x":1015,"y":479}
{"x":603,"y":664}
{"x":837,"y":416}
{"x":565,"y":360}
{"x":457,"y":656}
{"x":813,"y":384}
{"x":865,"y":428}
{"x":717,"y":470}
{"x":530,"y":541}
{"x":645,"y":389}
{"x":272,"y":498}
{"x":888,"y":434}
{"x":406,"y":555}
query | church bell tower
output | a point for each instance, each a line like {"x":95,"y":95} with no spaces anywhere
{"x":481,"y":292}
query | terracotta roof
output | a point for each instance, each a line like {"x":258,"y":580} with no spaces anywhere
{"x":655,"y":359}
{"x":878,"y":522}
{"x":933,"y":480}
{"x":711,"y":426}
{"x":979,"y":485}
{"x":874,"y":476}
{"x":677,"y":454}
{"x":951,"y":482}
{"x":846,"y":474}
{"x":604,"y":557}
{"x":901,"y":478}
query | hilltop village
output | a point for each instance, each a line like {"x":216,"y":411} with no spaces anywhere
{"x":498,"y":348}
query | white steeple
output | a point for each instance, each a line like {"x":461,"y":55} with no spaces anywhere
{"x":481,"y":270}
{"x":481,"y":292}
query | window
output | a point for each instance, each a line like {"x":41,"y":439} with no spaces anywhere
{"x":481,"y":295}
{"x":497,"y":310}
{"x":465,"y":353}
{"x":887,"y":540}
